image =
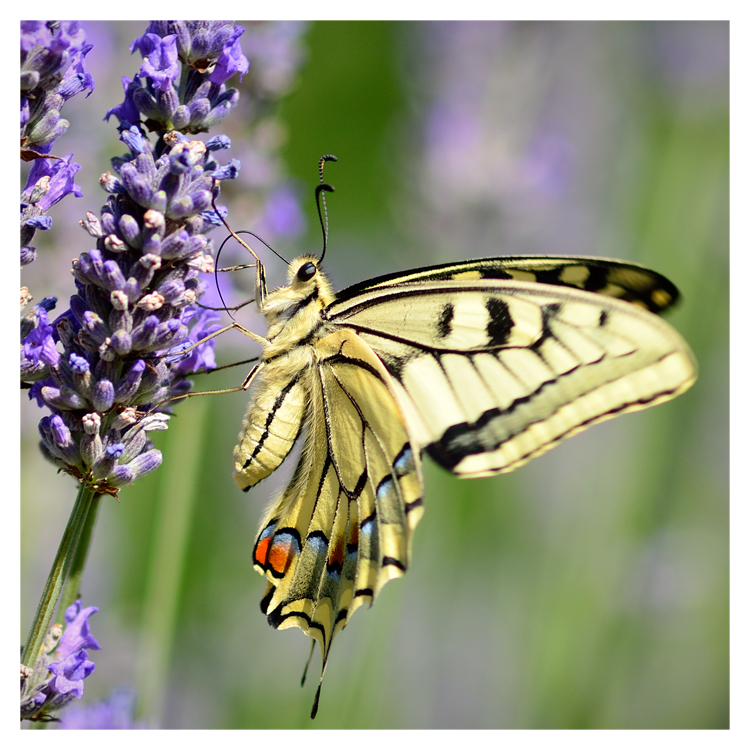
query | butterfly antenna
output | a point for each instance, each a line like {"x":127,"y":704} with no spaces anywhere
{"x":321,"y":190}
{"x":231,"y":231}
{"x":235,"y":235}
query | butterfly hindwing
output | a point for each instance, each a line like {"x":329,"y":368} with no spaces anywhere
{"x":343,"y":527}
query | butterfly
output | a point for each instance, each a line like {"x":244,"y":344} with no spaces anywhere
{"x":481,"y":364}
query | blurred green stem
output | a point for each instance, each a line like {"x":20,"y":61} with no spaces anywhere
{"x":177,"y":495}
{"x":85,"y":503}
{"x":72,"y":589}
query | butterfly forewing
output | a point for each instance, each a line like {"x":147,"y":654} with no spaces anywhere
{"x":541,"y":363}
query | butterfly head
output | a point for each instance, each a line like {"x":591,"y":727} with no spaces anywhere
{"x":307,"y":292}
{"x":303,"y":270}
{"x":306,"y":278}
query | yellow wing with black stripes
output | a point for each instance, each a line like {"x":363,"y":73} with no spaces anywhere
{"x":492,"y":372}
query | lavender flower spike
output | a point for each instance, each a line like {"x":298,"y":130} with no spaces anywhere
{"x":135,"y":304}
{"x":137,"y":289}
{"x":180,"y":85}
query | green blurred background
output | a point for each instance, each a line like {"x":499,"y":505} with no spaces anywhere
{"x":587,"y":590}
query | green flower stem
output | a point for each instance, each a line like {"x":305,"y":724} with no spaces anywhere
{"x":72,"y":590}
{"x":60,"y":568}
{"x":177,"y":493}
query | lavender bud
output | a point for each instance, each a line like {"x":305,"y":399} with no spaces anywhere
{"x":172,"y":246}
{"x":115,"y":245}
{"x":144,"y":335}
{"x":91,"y":448}
{"x":65,"y":331}
{"x":127,"y":387}
{"x":28,"y":255}
{"x":103,"y":395}
{"x":130,"y":231}
{"x":125,"y":419}
{"x":111,"y":184}
{"x":167,"y":102}
{"x":108,"y":223}
{"x":151,"y":302}
{"x":106,"y":463}
{"x":121,"y":343}
{"x":199,"y":109}
{"x":155,"y":422}
{"x":145,"y":463}
{"x":120,"y":476}
{"x":134,"y":441}
{"x":169,"y":334}
{"x":218,"y":142}
{"x":112,"y":276}
{"x":143,"y":271}
{"x":159,"y":201}
{"x":62,"y":398}
{"x":138,"y":187}
{"x":39,"y":190}
{"x":119,"y":299}
{"x":94,"y":325}
{"x":181,"y":118}
{"x":91,"y":423}
{"x":92,"y":225}
{"x":106,"y":352}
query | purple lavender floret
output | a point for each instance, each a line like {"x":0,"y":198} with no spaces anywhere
{"x":38,"y":350}
{"x":48,"y":182}
{"x":66,"y":658}
{"x":160,"y":59}
{"x":180,"y":86}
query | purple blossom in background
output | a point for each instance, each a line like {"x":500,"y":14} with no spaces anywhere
{"x":66,"y":658}
{"x":283,"y":212}
{"x":202,"y":323}
{"x":115,"y":713}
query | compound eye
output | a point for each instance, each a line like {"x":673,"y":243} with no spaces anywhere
{"x":307,"y":271}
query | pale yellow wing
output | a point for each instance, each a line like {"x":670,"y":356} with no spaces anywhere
{"x":343,"y":527}
{"x":490,"y":373}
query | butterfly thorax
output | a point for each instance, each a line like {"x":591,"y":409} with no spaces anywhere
{"x":294,"y":312}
